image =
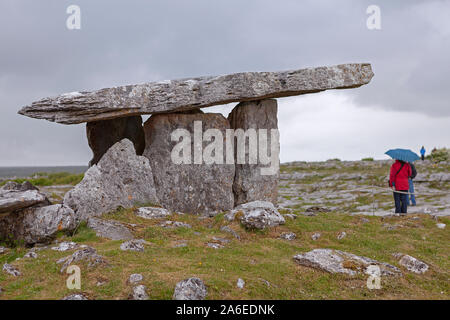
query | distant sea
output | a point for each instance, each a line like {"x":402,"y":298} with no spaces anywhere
{"x":24,"y":172}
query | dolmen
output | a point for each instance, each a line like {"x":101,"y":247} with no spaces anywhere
{"x":182,"y":158}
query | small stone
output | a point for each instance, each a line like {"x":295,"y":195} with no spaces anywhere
{"x":291,"y":216}
{"x":133,"y":245}
{"x":3,"y":250}
{"x":365,"y":220}
{"x":76,"y":296}
{"x":139,"y":293}
{"x":231,"y":231}
{"x":440,"y":225}
{"x":214,"y":245}
{"x":240,"y":283}
{"x":89,"y":254}
{"x":412,"y":264}
{"x":315,"y":236}
{"x":152,"y":213}
{"x":288,"y":236}
{"x":257,"y":215}
{"x":341,"y":235}
{"x":175,"y":224}
{"x":221,"y":240}
{"x":31,"y":254}
{"x":9,"y":269}
{"x":135,"y":278}
{"x":110,"y":229}
{"x":65,"y":246}
{"x":190,"y":289}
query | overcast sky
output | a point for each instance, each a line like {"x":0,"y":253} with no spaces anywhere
{"x":407,"y":103}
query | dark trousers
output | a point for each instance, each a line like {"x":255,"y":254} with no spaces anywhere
{"x":401,"y":201}
{"x":423,"y":157}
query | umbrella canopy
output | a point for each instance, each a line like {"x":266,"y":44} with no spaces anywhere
{"x":403,"y":154}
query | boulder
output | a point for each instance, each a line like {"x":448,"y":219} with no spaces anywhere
{"x":251,"y":182}
{"x":186,"y":94}
{"x":108,"y":229}
{"x":190,"y":289}
{"x":335,"y":261}
{"x":15,"y":196}
{"x":102,"y":135}
{"x":191,"y":186}
{"x":37,"y":224}
{"x":121,"y":178}
{"x":257,"y":215}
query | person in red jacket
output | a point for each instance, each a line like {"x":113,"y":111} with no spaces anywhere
{"x":398,"y":181}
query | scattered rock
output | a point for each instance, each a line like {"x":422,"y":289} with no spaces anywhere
{"x":221,"y":240}
{"x":139,"y":293}
{"x":9,"y":269}
{"x":88,"y":254}
{"x":342,"y":235}
{"x":135,"y":278}
{"x":152,"y":213}
{"x":175,"y":224}
{"x":231,"y":231}
{"x":412,"y":264}
{"x":335,"y":261}
{"x":37,"y":224}
{"x":291,"y":216}
{"x":365,"y":220}
{"x":316,"y":236}
{"x":31,"y":255}
{"x":76,"y":296}
{"x":288,"y":236}
{"x":190,"y":289}
{"x":257,"y":215}
{"x":65,"y":246}
{"x":240,"y":283}
{"x":121,"y":178}
{"x":214,"y":245}
{"x":102,"y":135}
{"x":3,"y":250}
{"x":186,"y":185}
{"x":440,"y":225}
{"x":180,"y":244}
{"x":253,"y":182}
{"x":134,"y":245}
{"x":110,"y":229}
{"x":315,"y":210}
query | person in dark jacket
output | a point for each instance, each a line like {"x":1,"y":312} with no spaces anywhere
{"x":399,"y":181}
{"x":411,"y":196}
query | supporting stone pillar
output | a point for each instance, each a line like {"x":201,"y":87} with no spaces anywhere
{"x":102,"y":135}
{"x":249,"y":184}
{"x":198,"y":187}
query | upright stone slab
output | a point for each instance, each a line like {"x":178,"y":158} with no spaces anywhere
{"x":121,"y":178}
{"x":102,"y":135}
{"x":190,"y":188}
{"x":249,"y":182}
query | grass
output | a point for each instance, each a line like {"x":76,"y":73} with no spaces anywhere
{"x":50,"y":179}
{"x":259,"y":256}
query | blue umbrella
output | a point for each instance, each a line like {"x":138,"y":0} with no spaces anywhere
{"x":403,"y":154}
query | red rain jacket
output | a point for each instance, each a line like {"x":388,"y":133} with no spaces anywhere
{"x":401,"y":179}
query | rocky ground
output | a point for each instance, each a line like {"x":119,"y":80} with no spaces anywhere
{"x":338,"y":225}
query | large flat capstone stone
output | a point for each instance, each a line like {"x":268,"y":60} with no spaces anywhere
{"x":121,"y":178}
{"x":102,"y":135}
{"x":256,"y":178}
{"x":193,"y":184}
{"x":187,"y":94}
